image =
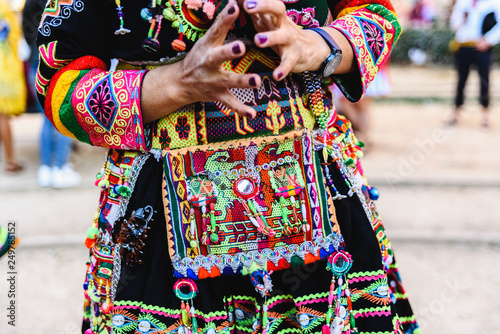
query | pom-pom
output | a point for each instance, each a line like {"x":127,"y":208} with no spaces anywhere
{"x":190,"y":274}
{"x":123,"y":191}
{"x":322,"y":253}
{"x":228,"y":271}
{"x":104,"y":184}
{"x":151,"y":45}
{"x":203,"y":273}
{"x":296,"y":261}
{"x":178,"y":45}
{"x":309,"y":258}
{"x":89,"y":243}
{"x":92,"y":232}
{"x":209,"y":9}
{"x":193,"y":4}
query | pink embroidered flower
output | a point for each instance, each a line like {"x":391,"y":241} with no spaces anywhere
{"x":209,"y":9}
{"x":102,"y":104}
{"x":374,"y":37}
{"x":194,"y":4}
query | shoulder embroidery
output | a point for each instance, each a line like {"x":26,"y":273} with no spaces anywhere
{"x":55,"y":12}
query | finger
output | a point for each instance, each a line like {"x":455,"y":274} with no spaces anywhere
{"x":235,"y":80}
{"x":220,"y":54}
{"x":230,"y":101}
{"x":272,"y":7}
{"x":285,"y":67}
{"x":223,"y":23}
{"x":272,"y":38}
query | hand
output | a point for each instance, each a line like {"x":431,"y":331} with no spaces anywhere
{"x":299,"y":49}
{"x":199,"y":77}
{"x":482,"y":45}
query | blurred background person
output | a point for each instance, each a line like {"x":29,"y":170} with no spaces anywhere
{"x":477,"y":31}
{"x":12,"y":83}
{"x":54,"y":171}
{"x":422,"y":15}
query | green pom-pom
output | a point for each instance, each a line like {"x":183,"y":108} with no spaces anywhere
{"x":124,"y":191}
{"x":359,"y":154}
{"x":349,"y":162}
{"x":360,"y":144}
{"x":103,"y":184}
{"x":296,"y":261}
{"x":92,"y":232}
{"x":254,"y":267}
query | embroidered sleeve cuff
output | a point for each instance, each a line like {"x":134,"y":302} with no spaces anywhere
{"x":107,"y":106}
{"x":371,"y":30}
{"x":95,"y":106}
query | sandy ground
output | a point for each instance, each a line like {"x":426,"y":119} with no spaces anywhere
{"x":439,"y":189}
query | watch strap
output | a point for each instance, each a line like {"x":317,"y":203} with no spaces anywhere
{"x":328,"y":38}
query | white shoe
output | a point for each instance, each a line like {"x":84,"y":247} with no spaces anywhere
{"x":65,"y":177}
{"x":44,"y":176}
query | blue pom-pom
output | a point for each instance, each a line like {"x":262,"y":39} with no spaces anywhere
{"x":374,"y":194}
{"x":238,"y":271}
{"x":178,"y":274}
{"x":323,"y":253}
{"x":228,"y":271}
{"x":85,"y":285}
{"x":190,"y":274}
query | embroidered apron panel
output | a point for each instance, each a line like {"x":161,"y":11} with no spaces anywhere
{"x":246,"y":205}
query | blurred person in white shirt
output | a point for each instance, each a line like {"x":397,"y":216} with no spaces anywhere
{"x":477,"y":31}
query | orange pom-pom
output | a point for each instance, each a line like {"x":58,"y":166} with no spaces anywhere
{"x":89,"y":243}
{"x":309,"y":258}
{"x":178,"y":45}
{"x":203,"y":273}
{"x":214,"y":272}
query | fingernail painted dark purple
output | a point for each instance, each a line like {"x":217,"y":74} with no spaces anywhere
{"x":231,"y":10}
{"x":279,"y":75}
{"x":249,"y":115}
{"x":250,"y":4}
{"x":262,"y":39}
{"x":236,"y":49}
{"x":252,"y":82}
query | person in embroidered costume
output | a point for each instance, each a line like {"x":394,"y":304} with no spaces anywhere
{"x":233,"y":199}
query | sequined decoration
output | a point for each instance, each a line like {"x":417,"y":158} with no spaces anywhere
{"x":131,"y":234}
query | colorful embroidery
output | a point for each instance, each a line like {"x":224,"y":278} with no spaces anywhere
{"x":304,"y":18}
{"x":107,"y":107}
{"x":372,"y":47}
{"x":56,"y":11}
{"x":203,"y":123}
{"x":246,"y":205}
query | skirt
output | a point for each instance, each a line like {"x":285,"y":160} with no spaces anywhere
{"x":145,"y":300}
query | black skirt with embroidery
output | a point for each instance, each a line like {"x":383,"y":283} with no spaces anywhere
{"x":145,"y":301}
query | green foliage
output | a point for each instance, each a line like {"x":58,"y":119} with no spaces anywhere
{"x":434,"y":42}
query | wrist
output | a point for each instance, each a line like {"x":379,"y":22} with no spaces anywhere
{"x":333,"y":58}
{"x":318,"y":50}
{"x":162,"y":93}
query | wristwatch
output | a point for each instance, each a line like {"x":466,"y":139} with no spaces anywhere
{"x":333,"y":60}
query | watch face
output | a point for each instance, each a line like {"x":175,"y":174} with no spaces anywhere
{"x":333,"y":61}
